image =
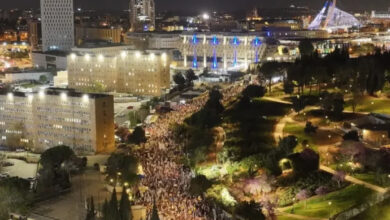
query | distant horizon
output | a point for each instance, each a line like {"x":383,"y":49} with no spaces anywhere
{"x":209,"y":5}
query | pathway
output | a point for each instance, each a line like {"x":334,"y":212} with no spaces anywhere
{"x":354,"y":180}
{"x":294,"y":216}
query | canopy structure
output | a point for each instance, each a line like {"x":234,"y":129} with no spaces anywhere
{"x":331,"y":18}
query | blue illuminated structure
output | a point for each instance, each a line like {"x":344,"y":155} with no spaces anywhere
{"x":236,"y":41}
{"x":195,"y":60}
{"x":195,"y":39}
{"x":215,"y":41}
{"x":257,"y":42}
{"x":215,"y":60}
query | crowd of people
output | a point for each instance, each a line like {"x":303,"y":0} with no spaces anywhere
{"x":167,"y":181}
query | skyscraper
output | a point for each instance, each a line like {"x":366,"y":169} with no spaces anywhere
{"x":142,"y":15}
{"x":57,"y":25}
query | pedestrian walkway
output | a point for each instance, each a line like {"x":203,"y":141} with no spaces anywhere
{"x":354,"y":180}
{"x":294,"y":216}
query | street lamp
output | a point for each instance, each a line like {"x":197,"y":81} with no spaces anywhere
{"x":330,"y":210}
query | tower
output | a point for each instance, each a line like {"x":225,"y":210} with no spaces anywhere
{"x":57,"y":25}
{"x":332,"y":18}
{"x":142,"y":15}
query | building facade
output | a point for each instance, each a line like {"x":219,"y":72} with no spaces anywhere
{"x":221,"y":50}
{"x":152,"y":40}
{"x":144,"y":73}
{"x":39,"y":121}
{"x":109,"y":34}
{"x":142,"y":15}
{"x":34,"y":34}
{"x":57,"y":25}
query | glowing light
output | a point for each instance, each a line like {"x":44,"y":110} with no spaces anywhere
{"x":206,"y":16}
{"x":30,"y":97}
{"x":73,"y":56}
{"x":85,"y":98}
{"x":10,"y":96}
{"x":123,"y":54}
{"x":63,"y":96}
{"x":164,"y":56}
{"x":87,"y":57}
{"x":41,"y":94}
{"x":137,"y":54}
{"x":101,"y":58}
{"x":152,"y":56}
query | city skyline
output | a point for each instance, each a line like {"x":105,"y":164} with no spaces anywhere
{"x":205,"y":5}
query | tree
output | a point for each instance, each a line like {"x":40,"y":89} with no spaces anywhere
{"x":288,"y":87}
{"x":43,"y":78}
{"x":270,"y":70}
{"x":351,"y":135}
{"x":305,"y":162}
{"x":190,"y":77}
{"x":249,"y":210}
{"x":306,"y":48}
{"x":310,"y":128}
{"x":91,"y":213}
{"x":303,"y":195}
{"x":322,"y":190}
{"x":126,"y":165}
{"x":138,"y":136}
{"x":124,"y":206}
{"x":15,"y":197}
{"x":339,"y":177}
{"x":55,"y":156}
{"x":154,"y":215}
{"x":199,"y":185}
{"x":113,"y":206}
{"x":254,"y":91}
{"x":106,"y":210}
{"x":298,"y":103}
{"x":180,"y":81}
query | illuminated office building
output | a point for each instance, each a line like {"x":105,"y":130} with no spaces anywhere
{"x":142,"y":15}
{"x":145,"y":73}
{"x":221,"y":50}
{"x":39,"y":121}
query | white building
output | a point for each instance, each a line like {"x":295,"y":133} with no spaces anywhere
{"x":19,"y":76}
{"x":61,"y":80}
{"x":142,"y":15}
{"x":57,"y":25}
{"x":50,"y":60}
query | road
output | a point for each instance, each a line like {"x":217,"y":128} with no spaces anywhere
{"x":70,"y":205}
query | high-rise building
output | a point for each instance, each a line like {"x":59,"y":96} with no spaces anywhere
{"x":34,"y":33}
{"x":57,"y":25}
{"x":142,"y":15}
{"x":38,"y":121}
{"x":145,"y":73}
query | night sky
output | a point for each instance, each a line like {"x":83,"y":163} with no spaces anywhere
{"x":208,"y":5}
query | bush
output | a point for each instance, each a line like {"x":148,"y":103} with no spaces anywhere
{"x":305,"y":162}
{"x":351,"y":136}
{"x":249,"y":211}
{"x":199,"y":185}
{"x":310,"y":128}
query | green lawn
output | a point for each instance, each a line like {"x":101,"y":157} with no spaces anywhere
{"x":297,"y":130}
{"x":379,"y":212}
{"x":371,"y":104}
{"x":340,"y":200}
{"x":373,"y":178}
